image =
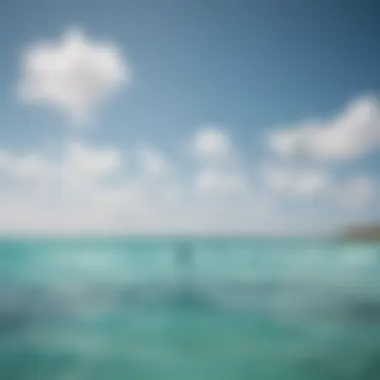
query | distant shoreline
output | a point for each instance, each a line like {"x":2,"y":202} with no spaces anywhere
{"x":369,"y":233}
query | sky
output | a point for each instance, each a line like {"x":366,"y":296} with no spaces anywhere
{"x":176,"y":116}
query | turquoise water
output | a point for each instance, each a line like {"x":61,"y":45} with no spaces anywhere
{"x":121,"y":308}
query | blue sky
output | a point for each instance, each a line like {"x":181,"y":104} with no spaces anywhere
{"x":189,"y":116}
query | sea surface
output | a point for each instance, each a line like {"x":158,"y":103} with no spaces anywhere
{"x":238,"y":308}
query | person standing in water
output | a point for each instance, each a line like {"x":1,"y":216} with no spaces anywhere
{"x":184,"y":261}
{"x":184,"y":256}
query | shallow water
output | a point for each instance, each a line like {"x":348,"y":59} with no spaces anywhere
{"x":247,"y":308}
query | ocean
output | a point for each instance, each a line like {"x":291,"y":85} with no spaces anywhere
{"x":237,"y":309}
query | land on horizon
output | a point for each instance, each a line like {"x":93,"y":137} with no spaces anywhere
{"x":370,"y":232}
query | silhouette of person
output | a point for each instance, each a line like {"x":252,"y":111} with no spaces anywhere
{"x":184,"y":256}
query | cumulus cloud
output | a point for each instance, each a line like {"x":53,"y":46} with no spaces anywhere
{"x":153,"y":162}
{"x":91,"y":187}
{"x":73,"y":74}
{"x":355,"y":192}
{"x":25,"y":167}
{"x":296,"y":182}
{"x":81,"y":162}
{"x":220,"y":170}
{"x":216,"y":182}
{"x":86,"y":187}
{"x":348,"y":193}
{"x":351,"y":134}
{"x":42,"y":185}
{"x":212,"y":143}
{"x":31,"y":170}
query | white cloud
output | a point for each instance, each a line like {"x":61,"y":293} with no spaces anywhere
{"x":79,"y":165}
{"x":74,"y":74}
{"x":211,"y":143}
{"x":220,"y":169}
{"x":296,"y":182}
{"x":152,"y":162}
{"x":31,"y":166}
{"x":350,"y":193}
{"x":352,"y":134}
{"x":87,"y":187}
{"x":84,"y":163}
{"x":208,"y":181}
{"x":95,"y":188}
{"x":355,"y":192}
